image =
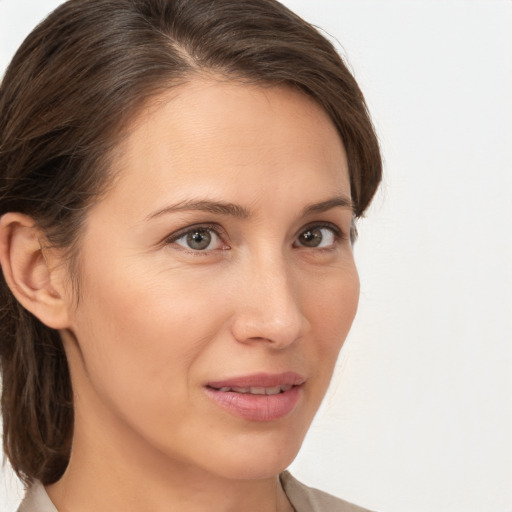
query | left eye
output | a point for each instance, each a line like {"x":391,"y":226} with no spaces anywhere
{"x":200,"y":239}
{"x":317,"y":237}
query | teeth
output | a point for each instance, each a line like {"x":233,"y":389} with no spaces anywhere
{"x":241,"y":390}
{"x":273,"y":391}
{"x":258,"y":390}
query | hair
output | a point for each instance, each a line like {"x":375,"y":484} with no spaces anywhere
{"x":65,"y":101}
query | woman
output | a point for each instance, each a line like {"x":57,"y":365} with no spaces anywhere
{"x":179,"y":186}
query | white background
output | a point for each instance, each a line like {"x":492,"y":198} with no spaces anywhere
{"x":419,"y":417}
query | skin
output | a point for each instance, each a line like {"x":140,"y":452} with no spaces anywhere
{"x":157,"y":319}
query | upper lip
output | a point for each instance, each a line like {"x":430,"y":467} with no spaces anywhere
{"x":262,"y":380}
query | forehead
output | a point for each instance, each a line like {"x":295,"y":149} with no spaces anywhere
{"x":231,"y":136}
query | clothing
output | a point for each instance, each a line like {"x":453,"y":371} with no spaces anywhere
{"x":307,"y":499}
{"x":303,"y":499}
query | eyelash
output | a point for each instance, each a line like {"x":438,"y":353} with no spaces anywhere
{"x":338,"y":235}
{"x":172,"y":239}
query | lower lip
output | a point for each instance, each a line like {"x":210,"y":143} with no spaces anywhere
{"x":257,"y":407}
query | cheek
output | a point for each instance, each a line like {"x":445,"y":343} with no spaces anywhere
{"x":146,"y":334}
{"x":332,"y":312}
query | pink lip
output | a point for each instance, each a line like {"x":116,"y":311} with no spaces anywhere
{"x":265,"y":380}
{"x":256,"y":407}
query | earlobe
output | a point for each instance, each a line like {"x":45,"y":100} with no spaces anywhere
{"x":33,"y":279}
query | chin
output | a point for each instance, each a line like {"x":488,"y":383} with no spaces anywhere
{"x":253,"y":457}
{"x":264,"y":465}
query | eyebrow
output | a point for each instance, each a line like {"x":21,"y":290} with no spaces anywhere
{"x":235,"y":210}
{"x":338,"y":201}
{"x":218,"y":207}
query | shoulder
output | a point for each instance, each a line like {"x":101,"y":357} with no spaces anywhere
{"x":307,"y":499}
{"x":36,"y":500}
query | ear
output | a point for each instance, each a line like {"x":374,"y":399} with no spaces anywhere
{"x":34,"y":275}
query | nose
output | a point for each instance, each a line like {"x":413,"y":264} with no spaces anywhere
{"x":268,"y":305}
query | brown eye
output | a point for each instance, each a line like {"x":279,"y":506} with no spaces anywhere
{"x":317,"y":237}
{"x":311,"y":237}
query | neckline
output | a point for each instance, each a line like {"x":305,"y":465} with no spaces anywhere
{"x":37,"y":499}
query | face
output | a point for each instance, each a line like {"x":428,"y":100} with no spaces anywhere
{"x":217,"y":279}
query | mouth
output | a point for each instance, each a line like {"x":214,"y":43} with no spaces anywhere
{"x":276,"y":390}
{"x":259,"y":397}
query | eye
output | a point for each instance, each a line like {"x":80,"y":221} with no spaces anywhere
{"x":199,"y":239}
{"x":318,"y":237}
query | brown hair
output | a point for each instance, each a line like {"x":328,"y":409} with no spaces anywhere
{"x":73,"y":85}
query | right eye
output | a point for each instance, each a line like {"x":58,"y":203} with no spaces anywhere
{"x":199,"y":239}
